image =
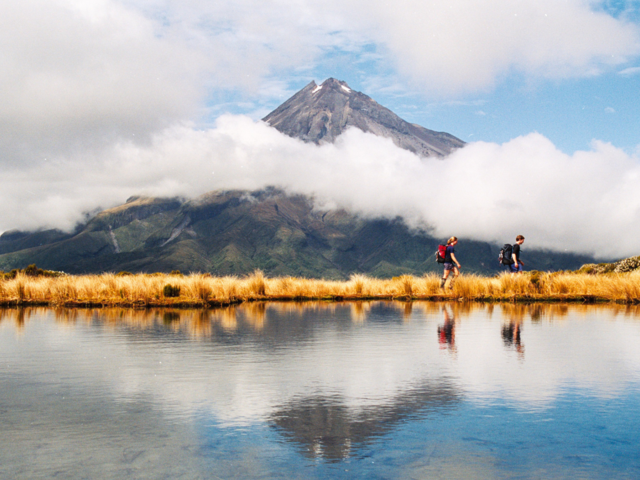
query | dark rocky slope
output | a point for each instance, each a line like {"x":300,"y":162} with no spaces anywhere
{"x":320,"y":113}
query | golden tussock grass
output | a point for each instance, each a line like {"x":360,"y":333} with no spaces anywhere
{"x":146,"y":290}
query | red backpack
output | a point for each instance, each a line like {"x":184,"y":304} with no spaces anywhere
{"x":441,"y":253}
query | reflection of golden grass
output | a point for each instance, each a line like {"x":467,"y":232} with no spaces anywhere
{"x":255,"y":314}
{"x":227,"y":318}
{"x":209,"y":323}
{"x":360,"y":311}
{"x":407,"y":311}
{"x":205,"y":290}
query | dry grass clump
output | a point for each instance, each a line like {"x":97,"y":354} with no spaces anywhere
{"x":256,"y":284}
{"x":206,"y":290}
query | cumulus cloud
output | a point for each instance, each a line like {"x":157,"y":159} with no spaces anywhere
{"x":462,"y":45}
{"x":452,"y":47}
{"x":77,"y":74}
{"x":586,"y":202}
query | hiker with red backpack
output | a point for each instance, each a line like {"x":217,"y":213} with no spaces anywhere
{"x":446,"y":255}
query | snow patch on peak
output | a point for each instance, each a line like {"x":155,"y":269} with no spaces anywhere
{"x":345,"y":88}
{"x":317,"y":89}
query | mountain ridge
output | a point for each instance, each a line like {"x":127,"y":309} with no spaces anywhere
{"x":321,"y":113}
{"x":234,"y":232}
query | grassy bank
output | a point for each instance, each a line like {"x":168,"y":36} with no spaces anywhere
{"x":204,"y":290}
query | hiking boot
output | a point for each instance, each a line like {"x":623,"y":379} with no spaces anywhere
{"x":442,"y":282}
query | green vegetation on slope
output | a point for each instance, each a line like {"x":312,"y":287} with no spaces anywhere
{"x":237,"y":232}
{"x":622,"y":266}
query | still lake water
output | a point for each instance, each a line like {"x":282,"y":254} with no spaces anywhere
{"x":314,"y":390}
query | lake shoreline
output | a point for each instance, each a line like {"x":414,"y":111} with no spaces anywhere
{"x":211,"y":304}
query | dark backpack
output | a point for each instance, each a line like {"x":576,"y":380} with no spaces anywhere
{"x":506,"y":254}
{"x":441,"y":252}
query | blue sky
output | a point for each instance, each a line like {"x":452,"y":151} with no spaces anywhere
{"x":570,"y":112}
{"x":104,"y":99}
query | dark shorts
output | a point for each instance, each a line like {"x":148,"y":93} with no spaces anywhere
{"x":449,"y":266}
{"x":513,"y":269}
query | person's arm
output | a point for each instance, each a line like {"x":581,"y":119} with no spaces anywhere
{"x":516,"y":254}
{"x":455,"y":260}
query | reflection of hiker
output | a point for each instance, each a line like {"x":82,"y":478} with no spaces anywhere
{"x":510,"y":255}
{"x":511,"y":335}
{"x":447,"y":332}
{"x":449,"y":261}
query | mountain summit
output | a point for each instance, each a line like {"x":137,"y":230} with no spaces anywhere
{"x":320,"y":113}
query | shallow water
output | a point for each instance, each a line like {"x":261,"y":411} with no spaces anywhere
{"x":315,"y":390}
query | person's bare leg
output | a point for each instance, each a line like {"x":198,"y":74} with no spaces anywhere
{"x":456,"y":272}
{"x":444,"y":278}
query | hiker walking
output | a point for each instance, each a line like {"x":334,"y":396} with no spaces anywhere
{"x":517,"y":263}
{"x":510,"y":256}
{"x":450,"y":263}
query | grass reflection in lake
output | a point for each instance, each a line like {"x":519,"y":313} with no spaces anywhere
{"x":255,"y":315}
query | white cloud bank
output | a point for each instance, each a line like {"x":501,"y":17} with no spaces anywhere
{"x":465,"y":45}
{"x":79,"y":73}
{"x":83,"y":73}
{"x":587,"y":202}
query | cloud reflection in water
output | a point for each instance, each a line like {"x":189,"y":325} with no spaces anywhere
{"x":332,"y":379}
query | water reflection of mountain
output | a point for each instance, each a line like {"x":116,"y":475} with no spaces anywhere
{"x":325,"y":427}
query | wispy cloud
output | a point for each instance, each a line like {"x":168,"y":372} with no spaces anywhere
{"x":463,"y":103}
{"x":627,"y":72}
